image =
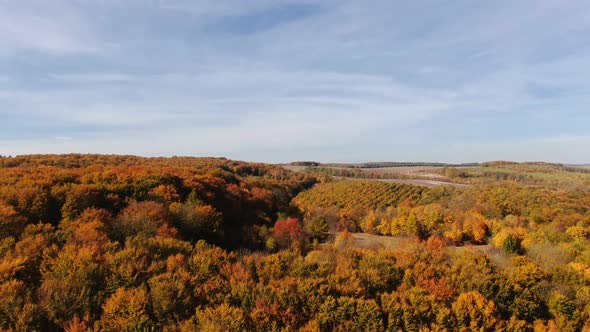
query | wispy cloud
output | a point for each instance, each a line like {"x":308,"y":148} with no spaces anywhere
{"x":281,"y":79}
{"x":91,"y":78}
{"x":54,"y":28}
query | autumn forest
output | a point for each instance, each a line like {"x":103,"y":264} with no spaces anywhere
{"x":124,"y":243}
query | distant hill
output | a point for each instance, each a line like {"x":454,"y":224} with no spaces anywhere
{"x":380,"y":164}
{"x":304,"y":163}
{"x":493,"y":163}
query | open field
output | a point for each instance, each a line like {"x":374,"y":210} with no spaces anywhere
{"x":425,"y":176}
{"x":530,"y":174}
{"x":418,"y":171}
{"x":414,"y":182}
{"x":294,"y":168}
{"x":533,"y":173}
{"x":403,"y":169}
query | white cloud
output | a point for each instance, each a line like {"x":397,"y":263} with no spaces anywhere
{"x":97,"y":77}
{"x":229,"y":7}
{"x":553,"y":149}
{"x":55,"y":27}
{"x":368,"y":76}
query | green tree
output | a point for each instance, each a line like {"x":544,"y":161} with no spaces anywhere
{"x":318,"y":228}
{"x":511,"y":245}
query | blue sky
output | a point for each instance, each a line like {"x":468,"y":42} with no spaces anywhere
{"x":282,"y":80}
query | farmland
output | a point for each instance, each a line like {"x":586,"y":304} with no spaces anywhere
{"x":418,"y":175}
{"x":540,"y":174}
{"x":366,"y":194}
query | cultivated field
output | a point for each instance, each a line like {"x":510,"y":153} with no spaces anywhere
{"x":431,"y":170}
{"x":425,"y":176}
{"x":424,"y":183}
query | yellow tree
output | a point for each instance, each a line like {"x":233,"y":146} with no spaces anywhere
{"x":474,"y":312}
{"x":221,"y":318}
{"x":70,"y":283}
{"x":17,"y":312}
{"x":126,"y":310}
{"x":370,"y":222}
{"x":11,"y":223}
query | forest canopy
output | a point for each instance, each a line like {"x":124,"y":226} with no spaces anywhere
{"x":124,"y":243}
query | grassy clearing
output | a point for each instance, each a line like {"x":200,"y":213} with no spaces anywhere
{"x":379,"y":242}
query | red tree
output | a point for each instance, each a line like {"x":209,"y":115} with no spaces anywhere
{"x":287,"y":232}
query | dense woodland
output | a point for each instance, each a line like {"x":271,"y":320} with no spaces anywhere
{"x":122,"y":243}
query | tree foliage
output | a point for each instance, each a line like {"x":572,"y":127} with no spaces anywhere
{"x":122,"y":243}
